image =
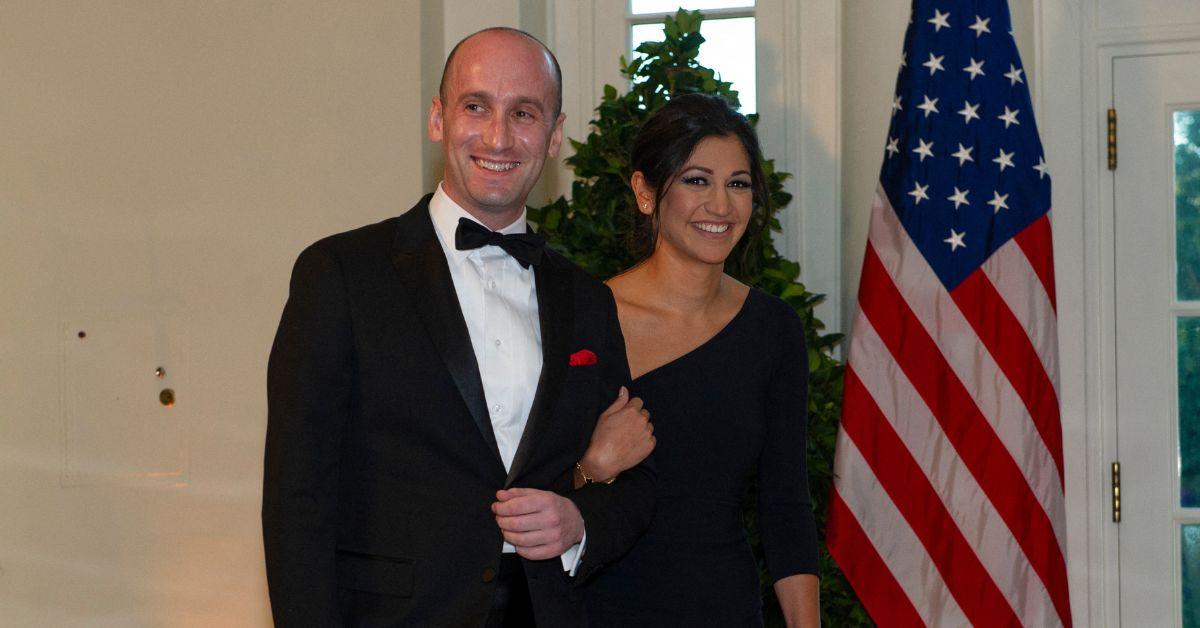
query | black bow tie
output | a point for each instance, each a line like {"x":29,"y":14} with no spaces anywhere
{"x":526,"y":248}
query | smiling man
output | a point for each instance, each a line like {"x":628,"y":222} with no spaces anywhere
{"x":434,"y":383}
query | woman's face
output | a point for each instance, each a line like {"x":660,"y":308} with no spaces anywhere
{"x":707,"y":206}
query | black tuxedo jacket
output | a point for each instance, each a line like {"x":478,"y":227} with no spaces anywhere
{"x":381,"y":464}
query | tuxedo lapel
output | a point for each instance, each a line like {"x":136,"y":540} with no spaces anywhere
{"x":423,"y":269}
{"x":555,"y":316}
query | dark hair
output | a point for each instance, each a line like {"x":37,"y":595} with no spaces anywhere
{"x":556,"y":70}
{"x":666,"y":141}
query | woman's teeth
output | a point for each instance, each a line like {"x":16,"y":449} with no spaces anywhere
{"x":712,"y":228}
{"x":497,"y":166}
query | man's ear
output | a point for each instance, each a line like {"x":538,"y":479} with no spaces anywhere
{"x":434,"y":128}
{"x":556,"y":136}
{"x":643,"y":194}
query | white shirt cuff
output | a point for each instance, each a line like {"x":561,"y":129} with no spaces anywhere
{"x":571,"y":557}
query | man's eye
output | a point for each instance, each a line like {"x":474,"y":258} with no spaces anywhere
{"x":523,"y":114}
{"x":474,"y":107}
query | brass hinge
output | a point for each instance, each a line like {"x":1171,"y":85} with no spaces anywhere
{"x":1116,"y":492}
{"x":1112,"y":139}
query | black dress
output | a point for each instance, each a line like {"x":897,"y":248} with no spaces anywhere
{"x":732,"y":408}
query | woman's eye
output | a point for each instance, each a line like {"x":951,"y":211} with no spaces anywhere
{"x":695,"y":180}
{"x":739,"y":184}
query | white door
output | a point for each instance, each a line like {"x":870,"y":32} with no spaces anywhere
{"x":1157,"y":236}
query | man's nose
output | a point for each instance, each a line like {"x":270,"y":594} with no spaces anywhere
{"x":498,"y":134}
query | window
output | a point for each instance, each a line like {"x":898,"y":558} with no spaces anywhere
{"x":728,"y":30}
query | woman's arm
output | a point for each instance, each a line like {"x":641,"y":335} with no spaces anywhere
{"x":789,"y":534}
{"x":799,"y":597}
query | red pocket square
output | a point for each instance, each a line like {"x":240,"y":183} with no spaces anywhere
{"x":583,"y":357}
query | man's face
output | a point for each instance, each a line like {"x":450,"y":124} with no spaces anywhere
{"x":497,"y":124}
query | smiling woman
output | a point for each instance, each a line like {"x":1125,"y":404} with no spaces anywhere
{"x":724,"y":370}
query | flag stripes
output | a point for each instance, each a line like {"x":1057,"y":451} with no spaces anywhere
{"x":985,"y":531}
{"x":880,"y":591}
{"x":1037,"y":243}
{"x":1015,"y":279}
{"x":912,"y":493}
{"x":971,"y":362}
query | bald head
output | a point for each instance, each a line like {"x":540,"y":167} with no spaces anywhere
{"x":500,"y":36}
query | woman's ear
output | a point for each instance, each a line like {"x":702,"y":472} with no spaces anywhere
{"x":643,"y":194}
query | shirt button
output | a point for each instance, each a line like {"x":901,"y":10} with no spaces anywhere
{"x":492,"y":284}
{"x":497,"y":342}
{"x":497,"y":408}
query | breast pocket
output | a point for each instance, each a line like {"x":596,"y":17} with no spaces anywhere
{"x":583,"y":373}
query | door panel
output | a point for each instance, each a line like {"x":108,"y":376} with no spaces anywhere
{"x":1157,"y":99}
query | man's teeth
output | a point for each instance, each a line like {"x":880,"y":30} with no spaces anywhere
{"x":712,"y":228}
{"x":497,"y":166}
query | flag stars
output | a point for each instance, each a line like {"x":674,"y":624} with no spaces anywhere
{"x":896,"y":106}
{"x":892,"y":147}
{"x":1009,"y":116}
{"x":1004,"y":159}
{"x":1042,"y":168}
{"x":956,"y":240}
{"x":1014,"y":74}
{"x":924,"y":150}
{"x":939,"y":20}
{"x":919,"y":193}
{"x":959,"y":197}
{"x":964,"y":154}
{"x":998,"y":202}
{"x":929,"y":106}
{"x":934,"y":64}
{"x":980,"y":26}
{"x":975,"y":69}
{"x":969,"y":111}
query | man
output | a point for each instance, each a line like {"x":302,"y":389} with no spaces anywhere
{"x":433,"y":384}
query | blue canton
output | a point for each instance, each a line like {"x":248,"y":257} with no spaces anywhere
{"x":963,"y":166}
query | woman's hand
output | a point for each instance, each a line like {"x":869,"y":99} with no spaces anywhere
{"x":623,"y":437}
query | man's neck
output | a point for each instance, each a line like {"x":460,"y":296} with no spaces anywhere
{"x":494,"y":220}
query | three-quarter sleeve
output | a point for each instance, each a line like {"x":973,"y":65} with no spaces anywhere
{"x":789,"y":534}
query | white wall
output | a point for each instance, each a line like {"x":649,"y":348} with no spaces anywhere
{"x":162,"y":163}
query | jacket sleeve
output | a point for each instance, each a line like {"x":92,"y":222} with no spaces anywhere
{"x":309,"y":396}
{"x":617,"y":514}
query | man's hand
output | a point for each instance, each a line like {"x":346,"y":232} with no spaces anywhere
{"x":623,"y":438}
{"x":540,"y":524}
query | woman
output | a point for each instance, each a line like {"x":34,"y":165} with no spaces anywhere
{"x":723,"y":369}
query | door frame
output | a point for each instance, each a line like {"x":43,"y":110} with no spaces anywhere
{"x":1075,"y":55}
{"x":1108,"y":218}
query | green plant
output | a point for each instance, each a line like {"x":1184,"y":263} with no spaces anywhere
{"x":592,"y":226}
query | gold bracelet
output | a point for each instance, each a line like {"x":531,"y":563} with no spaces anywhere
{"x":587,"y":479}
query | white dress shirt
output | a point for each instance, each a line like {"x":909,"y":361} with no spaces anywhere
{"x":499,"y":303}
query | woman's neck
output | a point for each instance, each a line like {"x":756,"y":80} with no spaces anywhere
{"x":682,"y":285}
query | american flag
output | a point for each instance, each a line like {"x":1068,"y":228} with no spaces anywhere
{"x":947,"y":507}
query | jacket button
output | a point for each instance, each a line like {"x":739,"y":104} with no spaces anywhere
{"x":489,"y":574}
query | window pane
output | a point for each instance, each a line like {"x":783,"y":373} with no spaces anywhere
{"x":1188,"y":337}
{"x":1189,"y":542}
{"x":1187,"y":205}
{"x":638,"y":7}
{"x":728,"y":49}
